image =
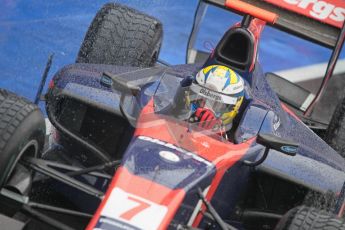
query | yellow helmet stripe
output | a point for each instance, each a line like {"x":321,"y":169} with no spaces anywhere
{"x":233,"y":77}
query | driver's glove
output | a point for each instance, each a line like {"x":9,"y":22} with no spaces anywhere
{"x":206,"y":118}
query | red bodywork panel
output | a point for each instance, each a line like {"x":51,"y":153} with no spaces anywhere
{"x":331,"y":12}
{"x":145,"y":193}
{"x":222,"y":154}
{"x":252,"y":10}
{"x":256,"y":27}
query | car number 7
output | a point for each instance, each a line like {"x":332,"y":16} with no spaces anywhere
{"x":129,"y":214}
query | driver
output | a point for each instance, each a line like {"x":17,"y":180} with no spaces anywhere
{"x":215,"y":97}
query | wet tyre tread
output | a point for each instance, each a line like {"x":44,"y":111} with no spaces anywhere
{"x":120,"y":35}
{"x":308,"y":218}
{"x":13,"y":110}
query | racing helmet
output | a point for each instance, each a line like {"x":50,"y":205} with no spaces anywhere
{"x":219,"y":90}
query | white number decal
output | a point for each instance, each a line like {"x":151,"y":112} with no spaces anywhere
{"x":134,"y":210}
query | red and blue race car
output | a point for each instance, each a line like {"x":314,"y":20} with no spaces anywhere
{"x":123,"y":152}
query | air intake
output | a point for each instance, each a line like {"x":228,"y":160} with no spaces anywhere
{"x":236,"y":49}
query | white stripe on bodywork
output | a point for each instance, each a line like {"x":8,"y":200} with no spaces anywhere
{"x":307,"y":102}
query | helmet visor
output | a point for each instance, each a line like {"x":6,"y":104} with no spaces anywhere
{"x":201,"y":97}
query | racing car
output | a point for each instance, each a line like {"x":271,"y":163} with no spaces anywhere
{"x":123,"y":154}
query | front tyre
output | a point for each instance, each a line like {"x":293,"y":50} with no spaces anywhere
{"x":119,"y":35}
{"x":22,"y":132}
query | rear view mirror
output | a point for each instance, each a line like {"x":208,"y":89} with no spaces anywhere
{"x":119,"y":83}
{"x":273,"y":142}
{"x":277,"y":143}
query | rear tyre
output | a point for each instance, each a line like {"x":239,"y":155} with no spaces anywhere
{"x":119,"y":35}
{"x":335,"y":135}
{"x":22,"y":132}
{"x":306,"y":218}
{"x":325,"y":201}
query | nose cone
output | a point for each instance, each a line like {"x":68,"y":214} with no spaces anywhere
{"x":153,"y":181}
{"x":165,"y":163}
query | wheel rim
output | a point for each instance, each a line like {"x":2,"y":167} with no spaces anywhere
{"x":19,"y":177}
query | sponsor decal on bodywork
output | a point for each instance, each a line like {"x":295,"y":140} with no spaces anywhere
{"x":328,"y":11}
{"x":134,"y":212}
{"x":289,"y":149}
{"x":169,"y":156}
